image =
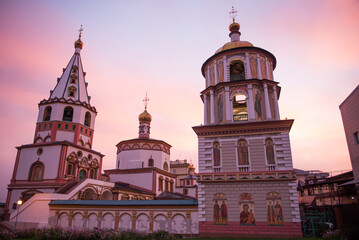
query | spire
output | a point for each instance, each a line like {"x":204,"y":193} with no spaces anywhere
{"x":71,"y":85}
{"x":234,"y":27}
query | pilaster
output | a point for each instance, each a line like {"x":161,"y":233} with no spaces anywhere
{"x":266,"y":100}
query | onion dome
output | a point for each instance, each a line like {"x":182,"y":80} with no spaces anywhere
{"x":79,"y":43}
{"x":235,"y":39}
{"x":145,"y":117}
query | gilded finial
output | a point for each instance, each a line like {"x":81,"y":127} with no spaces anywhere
{"x":233,"y":14}
{"x":146,"y":100}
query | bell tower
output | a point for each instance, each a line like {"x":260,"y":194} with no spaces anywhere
{"x":61,"y":151}
{"x":246,"y":180}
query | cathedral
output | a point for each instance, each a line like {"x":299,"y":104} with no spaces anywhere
{"x":245,"y":185}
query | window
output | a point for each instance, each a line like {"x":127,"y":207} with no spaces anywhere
{"x":188,"y":182}
{"x":36,"y":172}
{"x":160,"y":183}
{"x":150,"y":162}
{"x":171,"y":186}
{"x":236,"y":70}
{"x":165,"y":166}
{"x":356,"y":138}
{"x":47,"y":114}
{"x":87,"y":119}
{"x":59,"y":125}
{"x":166,"y":184}
{"x":70,"y":169}
{"x":68,"y":114}
{"x":239,"y":107}
{"x":93,"y":173}
{"x":185,"y":191}
{"x":66,"y":126}
{"x":82,"y":175}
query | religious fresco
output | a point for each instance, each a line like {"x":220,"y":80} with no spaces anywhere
{"x":263,"y":68}
{"x":220,"y":108}
{"x":270,"y":151}
{"x":211,"y":73}
{"x":220,"y":70}
{"x":216,"y":155}
{"x":246,"y":209}
{"x":274,"y":209}
{"x":258,"y":105}
{"x":253,"y":63}
{"x":242,"y":150}
{"x":220,"y":214}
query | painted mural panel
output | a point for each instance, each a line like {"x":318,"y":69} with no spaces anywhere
{"x":263,"y":69}
{"x":160,"y":223}
{"x":216,"y":155}
{"x":220,"y":214}
{"x":77,"y":221}
{"x":63,"y":220}
{"x":258,"y":105}
{"x":220,"y":71}
{"x":242,"y":153}
{"x":92,"y":221}
{"x":108,"y":221}
{"x":253,"y":62}
{"x":125,"y":222}
{"x":246,"y":209}
{"x":220,"y":108}
{"x":179,"y":224}
{"x":270,"y":151}
{"x":274,"y":209}
{"x":143,"y":223}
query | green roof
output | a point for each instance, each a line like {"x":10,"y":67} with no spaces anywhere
{"x":191,"y":202}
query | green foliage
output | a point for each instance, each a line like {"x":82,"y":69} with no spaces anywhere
{"x":95,"y":234}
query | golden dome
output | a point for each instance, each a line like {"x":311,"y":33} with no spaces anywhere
{"x":145,"y":117}
{"x":78,"y":43}
{"x":230,"y":45}
{"x":234,"y":27}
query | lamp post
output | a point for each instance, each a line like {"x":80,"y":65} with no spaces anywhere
{"x":19,"y":202}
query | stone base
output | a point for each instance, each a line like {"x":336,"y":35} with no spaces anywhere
{"x":261,"y":229}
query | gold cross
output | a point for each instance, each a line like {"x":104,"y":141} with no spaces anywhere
{"x":146,"y":100}
{"x":80,"y":31}
{"x":233,"y":13}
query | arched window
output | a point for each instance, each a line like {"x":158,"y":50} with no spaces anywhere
{"x":70,"y":169}
{"x":237,"y":70}
{"x":150,"y":162}
{"x":89,"y":194}
{"x":216,"y":155}
{"x":87,"y":119}
{"x":166,"y":184}
{"x":82,"y":175}
{"x":93,"y":173}
{"x":239,"y":107}
{"x":160,"y":183}
{"x":165,"y":166}
{"x":47,"y":114}
{"x":270,"y":152}
{"x":36,"y":172}
{"x":68,"y":114}
{"x":171,"y":185}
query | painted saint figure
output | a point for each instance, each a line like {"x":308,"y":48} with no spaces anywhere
{"x":257,"y":106}
{"x":216,"y":155}
{"x":243,"y":217}
{"x":220,"y":109}
{"x":253,"y":62}
{"x":270,"y":151}
{"x":216,"y":211}
{"x":242,"y":153}
{"x":224,"y":216}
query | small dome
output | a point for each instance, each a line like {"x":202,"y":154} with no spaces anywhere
{"x":230,"y":45}
{"x":145,"y":117}
{"x":78,"y":43}
{"x":234,"y":27}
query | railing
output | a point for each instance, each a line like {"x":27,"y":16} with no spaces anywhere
{"x":216,"y":169}
{"x":271,"y":167}
{"x":243,"y":169}
{"x":240,"y":117}
{"x":237,"y":77}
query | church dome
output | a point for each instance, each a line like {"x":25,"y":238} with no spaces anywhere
{"x":78,"y":43}
{"x":230,"y":45}
{"x":145,"y":117}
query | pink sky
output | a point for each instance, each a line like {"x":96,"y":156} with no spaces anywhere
{"x":134,"y":47}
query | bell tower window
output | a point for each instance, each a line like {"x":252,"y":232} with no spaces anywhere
{"x":68,"y":114}
{"x":239,"y":107}
{"x":47,"y":114}
{"x":36,"y":172}
{"x":87,"y":119}
{"x":236,"y":70}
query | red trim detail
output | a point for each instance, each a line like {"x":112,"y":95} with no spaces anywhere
{"x":13,"y":179}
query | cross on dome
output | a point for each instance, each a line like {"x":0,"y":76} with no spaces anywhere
{"x":146,"y":100}
{"x":233,"y":14}
{"x":80,"y":31}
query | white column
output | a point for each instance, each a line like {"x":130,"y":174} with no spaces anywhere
{"x":215,"y":72}
{"x":266,"y":100}
{"x":225,"y":74}
{"x":205,"y":109}
{"x":228,"y":105}
{"x":248,"y":67}
{"x":212,"y":106}
{"x":267,"y":68}
{"x":250,"y":107}
{"x":259,"y":69}
{"x":276,"y":108}
{"x":208,"y":78}
{"x":271,"y":71}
